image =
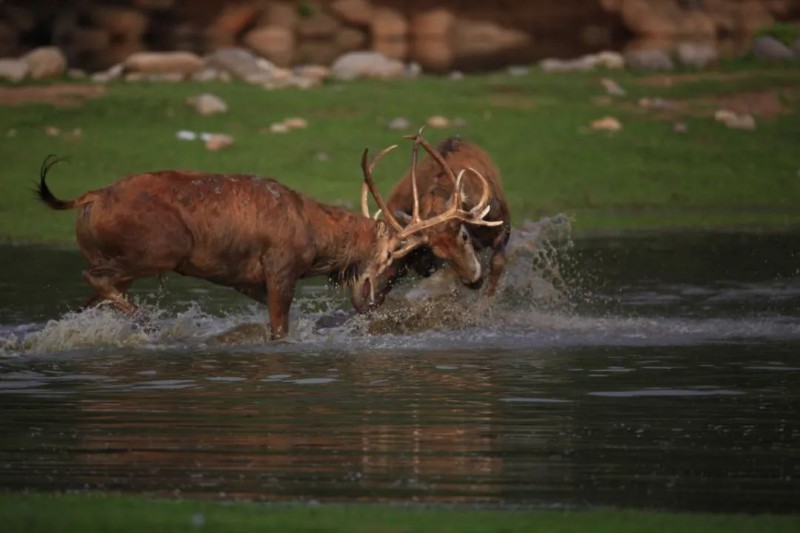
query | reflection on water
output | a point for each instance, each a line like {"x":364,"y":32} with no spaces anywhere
{"x":669,"y":378}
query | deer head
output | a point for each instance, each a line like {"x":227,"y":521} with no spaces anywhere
{"x":445,"y":233}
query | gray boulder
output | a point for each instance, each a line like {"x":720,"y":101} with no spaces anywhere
{"x":652,"y":59}
{"x":768,"y":48}
{"x":46,"y":62}
{"x":241,"y":64}
{"x":696,"y":55}
{"x":355,"y":65}
{"x":13,"y":69}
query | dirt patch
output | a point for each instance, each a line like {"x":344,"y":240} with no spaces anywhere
{"x":670,"y":80}
{"x":761,"y":104}
{"x":767,"y":104}
{"x":57,"y":95}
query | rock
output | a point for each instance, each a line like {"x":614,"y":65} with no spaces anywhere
{"x":608,"y":59}
{"x":14,"y":70}
{"x":734,"y":120}
{"x":318,"y":24}
{"x":182,"y":63}
{"x":472,"y":37}
{"x":613,"y":88}
{"x":680,"y":127}
{"x":696,"y":55}
{"x":517,"y":71}
{"x":434,"y":23}
{"x":278,"y":127}
{"x":399,"y":124}
{"x":353,"y":65}
{"x":349,"y":39}
{"x":208,"y":104}
{"x":218,"y":141}
{"x":607,"y":124}
{"x":644,"y":17}
{"x":295,"y":123}
{"x":581,"y":64}
{"x":751,"y":16}
{"x":113,"y":73}
{"x":317,"y":73}
{"x":391,"y":48}
{"x":434,"y":54}
{"x":241,"y":64}
{"x":652,"y":59}
{"x":438,"y":121}
{"x":276,"y":43}
{"x":122,"y":23}
{"x":46,"y":62}
{"x":696,"y":23}
{"x":207,"y":74}
{"x":355,"y":12}
{"x":234,"y":18}
{"x":52,"y":131}
{"x":281,"y":14}
{"x":388,"y":24}
{"x":769,"y":48}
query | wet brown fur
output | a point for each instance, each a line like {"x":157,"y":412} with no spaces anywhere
{"x":252,"y":234}
{"x":436,"y":190}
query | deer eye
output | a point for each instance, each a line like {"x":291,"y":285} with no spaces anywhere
{"x":388,"y":256}
{"x":464,"y":235}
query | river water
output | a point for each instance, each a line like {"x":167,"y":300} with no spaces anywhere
{"x":654,"y":371}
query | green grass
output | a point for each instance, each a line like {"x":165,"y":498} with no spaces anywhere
{"x":535,"y":126}
{"x":102,"y":513}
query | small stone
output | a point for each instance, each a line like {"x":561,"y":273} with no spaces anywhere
{"x":208,"y":104}
{"x":455,"y":75}
{"x":735,"y":121}
{"x":612,"y":87}
{"x":218,"y":141}
{"x":438,"y":121}
{"x":517,"y":71}
{"x":607,"y":124}
{"x":186,"y":135}
{"x":680,"y":127}
{"x":52,"y":131}
{"x":649,"y":59}
{"x":278,"y":127}
{"x":399,"y":124}
{"x":295,"y":123}
{"x":458,"y":122}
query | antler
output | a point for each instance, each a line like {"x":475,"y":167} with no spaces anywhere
{"x":433,"y":152}
{"x":369,"y":183}
{"x":473,"y":216}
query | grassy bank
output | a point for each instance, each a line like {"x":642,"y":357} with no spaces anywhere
{"x":43,"y":513}
{"x":536,"y":126}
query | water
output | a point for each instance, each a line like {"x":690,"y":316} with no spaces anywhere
{"x":652,"y":372}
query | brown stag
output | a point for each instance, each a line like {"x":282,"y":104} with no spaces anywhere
{"x":448,"y":238}
{"x":252,"y":234}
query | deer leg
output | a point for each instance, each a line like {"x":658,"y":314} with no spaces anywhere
{"x":280,"y":293}
{"x":498,"y":261}
{"x":109,"y":284}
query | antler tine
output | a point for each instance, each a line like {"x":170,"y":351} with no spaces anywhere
{"x":365,"y":199}
{"x":414,"y":189}
{"x":367,"y":169}
{"x":433,"y":152}
{"x":484,"y":201}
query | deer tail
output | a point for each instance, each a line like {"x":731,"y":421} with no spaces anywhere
{"x":43,"y":191}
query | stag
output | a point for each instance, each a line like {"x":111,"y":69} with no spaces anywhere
{"x":241,"y":231}
{"x":458,"y":177}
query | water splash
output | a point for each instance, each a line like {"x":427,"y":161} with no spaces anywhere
{"x":535,"y":307}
